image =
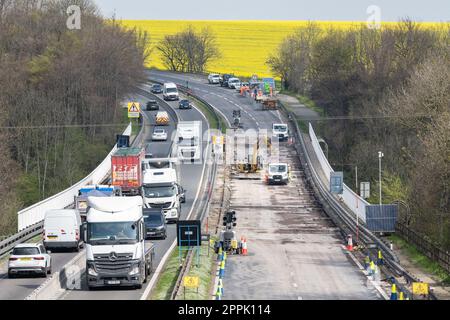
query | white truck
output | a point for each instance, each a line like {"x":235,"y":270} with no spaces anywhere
{"x":189,"y":140}
{"x":160,"y":189}
{"x":116,"y":251}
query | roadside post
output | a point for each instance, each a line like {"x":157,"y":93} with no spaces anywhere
{"x":190,"y":282}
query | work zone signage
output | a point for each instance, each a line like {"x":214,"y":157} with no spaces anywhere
{"x":134,"y":110}
{"x":191,"y":282}
{"x":189,"y":233}
{"x":420,"y":288}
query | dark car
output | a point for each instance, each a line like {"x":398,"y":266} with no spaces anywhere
{"x":152,"y":105}
{"x":185,"y":104}
{"x":156,"y":88}
{"x":155,"y":223}
{"x":224,"y":79}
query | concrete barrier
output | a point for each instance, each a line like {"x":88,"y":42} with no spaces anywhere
{"x":68,"y":278}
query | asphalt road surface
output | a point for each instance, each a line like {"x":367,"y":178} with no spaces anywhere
{"x":190,"y":179}
{"x":295,"y":252}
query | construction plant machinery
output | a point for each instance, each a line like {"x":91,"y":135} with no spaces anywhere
{"x":250,"y":155}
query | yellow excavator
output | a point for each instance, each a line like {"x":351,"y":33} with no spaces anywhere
{"x":254,"y":162}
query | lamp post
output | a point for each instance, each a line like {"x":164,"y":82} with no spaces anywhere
{"x":380,"y":155}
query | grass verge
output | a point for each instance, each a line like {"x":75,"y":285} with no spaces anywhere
{"x":205,"y":271}
{"x":135,"y":127}
{"x":310,"y":104}
{"x":213,"y":123}
{"x":166,"y":283}
{"x":420,"y":260}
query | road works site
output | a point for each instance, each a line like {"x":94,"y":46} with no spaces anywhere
{"x":257,"y":241}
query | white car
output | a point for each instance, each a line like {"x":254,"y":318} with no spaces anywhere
{"x":233,"y":82}
{"x":159,"y":135}
{"x":214,"y":78}
{"x":29,"y":258}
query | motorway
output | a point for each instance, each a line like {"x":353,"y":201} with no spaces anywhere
{"x":295,"y":252}
{"x":225,"y":101}
{"x":190,"y":179}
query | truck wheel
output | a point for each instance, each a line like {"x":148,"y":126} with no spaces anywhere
{"x":11,"y":276}
{"x":146,"y":275}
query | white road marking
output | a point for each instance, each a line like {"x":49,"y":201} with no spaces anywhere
{"x":166,"y":256}
{"x":376,"y":285}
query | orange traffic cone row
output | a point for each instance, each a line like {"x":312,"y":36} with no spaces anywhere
{"x":244,"y":247}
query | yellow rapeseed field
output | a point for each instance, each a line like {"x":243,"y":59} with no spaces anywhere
{"x":244,"y":45}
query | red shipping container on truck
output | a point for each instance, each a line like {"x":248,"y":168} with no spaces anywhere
{"x":126,"y":169}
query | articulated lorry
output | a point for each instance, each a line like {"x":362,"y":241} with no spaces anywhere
{"x":114,"y":235}
{"x":160,"y":189}
{"x":126,"y":170}
{"x":189,"y":140}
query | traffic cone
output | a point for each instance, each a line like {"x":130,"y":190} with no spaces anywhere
{"x":220,"y":256}
{"x":349,"y":243}
{"x":380,"y":258}
{"x":220,"y":286}
{"x":394,"y":292}
{"x":366,"y":262}
{"x":219,"y":292}
{"x":244,"y":247}
{"x":222,"y":269}
{"x":372,"y":268}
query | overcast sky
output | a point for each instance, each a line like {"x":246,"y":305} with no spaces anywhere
{"x":353,"y":10}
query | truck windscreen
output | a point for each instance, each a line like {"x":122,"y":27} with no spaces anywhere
{"x":105,"y":233}
{"x":170,"y":90}
{"x":159,"y":192}
{"x":188,"y":142}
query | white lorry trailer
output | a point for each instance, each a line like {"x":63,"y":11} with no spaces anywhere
{"x":189,"y":135}
{"x":116,"y":251}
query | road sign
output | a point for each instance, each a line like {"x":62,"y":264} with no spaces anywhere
{"x":191,"y":282}
{"x":420,"y":288}
{"x":134,"y":109}
{"x":189,"y":233}
{"x":364,"y":190}
{"x":337,"y":182}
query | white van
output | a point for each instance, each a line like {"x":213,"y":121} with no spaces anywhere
{"x":62,"y":229}
{"x":170,"y":91}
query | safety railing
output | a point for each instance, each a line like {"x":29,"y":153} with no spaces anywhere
{"x":353,"y":201}
{"x":30,"y":220}
{"x":425,"y":246}
{"x":341,"y":216}
{"x":35,"y":213}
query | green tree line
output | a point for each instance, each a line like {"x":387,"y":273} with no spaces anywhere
{"x":60,"y":96}
{"x":392,"y":85}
